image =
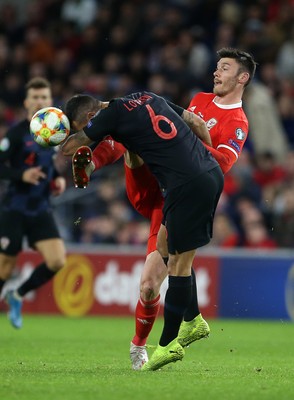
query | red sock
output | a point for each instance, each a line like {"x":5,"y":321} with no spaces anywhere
{"x":145,"y":314}
{"x":107,"y":152}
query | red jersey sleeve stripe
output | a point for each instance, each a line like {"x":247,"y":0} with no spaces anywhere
{"x":229,"y":148}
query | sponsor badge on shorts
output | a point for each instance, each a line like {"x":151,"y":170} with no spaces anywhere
{"x":4,"y":144}
{"x":4,"y":243}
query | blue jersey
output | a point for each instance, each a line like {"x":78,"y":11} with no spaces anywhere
{"x":152,"y":128}
{"x":18,"y":152}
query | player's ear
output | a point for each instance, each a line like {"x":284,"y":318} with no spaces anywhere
{"x":90,"y":115}
{"x":243,"y":78}
{"x":74,"y":126}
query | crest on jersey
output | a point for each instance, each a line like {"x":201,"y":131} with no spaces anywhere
{"x":240,"y":134}
{"x":211,"y":123}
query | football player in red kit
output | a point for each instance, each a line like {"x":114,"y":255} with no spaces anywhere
{"x":228,"y":128}
{"x":227,"y":125}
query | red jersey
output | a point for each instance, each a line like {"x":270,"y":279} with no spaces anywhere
{"x":227,"y":125}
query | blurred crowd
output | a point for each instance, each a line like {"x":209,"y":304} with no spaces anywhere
{"x":108,"y":48}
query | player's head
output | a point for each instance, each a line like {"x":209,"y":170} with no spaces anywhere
{"x":235,"y":69}
{"x":38,"y":95}
{"x":80,"y":109}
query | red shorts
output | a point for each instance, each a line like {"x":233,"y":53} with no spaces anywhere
{"x":145,"y":196}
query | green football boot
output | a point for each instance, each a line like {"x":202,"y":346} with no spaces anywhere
{"x":193,"y":330}
{"x":164,"y":355}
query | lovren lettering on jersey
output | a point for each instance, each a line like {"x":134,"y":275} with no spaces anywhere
{"x":132,"y":104}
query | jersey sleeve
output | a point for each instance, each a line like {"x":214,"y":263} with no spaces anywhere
{"x":179,"y":110}
{"x":224,"y":157}
{"x":230,"y":142}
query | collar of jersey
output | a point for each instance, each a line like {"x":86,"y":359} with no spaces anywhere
{"x":228,"y":106}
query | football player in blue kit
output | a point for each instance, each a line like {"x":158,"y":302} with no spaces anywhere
{"x":191,"y":181}
{"x":26,"y":211}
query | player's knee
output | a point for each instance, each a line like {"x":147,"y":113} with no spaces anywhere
{"x":148,"y":290}
{"x":56,"y":264}
{"x":5,"y":274}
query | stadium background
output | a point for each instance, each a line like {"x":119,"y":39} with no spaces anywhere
{"x":109,"y":48}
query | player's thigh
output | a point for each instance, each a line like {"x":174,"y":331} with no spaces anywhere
{"x":154,"y":269}
{"x":180,"y":264}
{"x":53,"y":251}
{"x":7,"y":264}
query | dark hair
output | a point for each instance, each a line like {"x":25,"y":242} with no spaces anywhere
{"x":37,"y":83}
{"x":245,"y":60}
{"x":79,"y":105}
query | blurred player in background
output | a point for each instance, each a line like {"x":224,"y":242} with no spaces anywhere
{"x":228,"y":127}
{"x":26,"y":211}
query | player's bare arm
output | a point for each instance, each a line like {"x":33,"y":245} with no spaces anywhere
{"x":198,"y":126}
{"x":75,"y":141}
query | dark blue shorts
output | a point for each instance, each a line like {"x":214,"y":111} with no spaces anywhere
{"x":189,"y":209}
{"x":15,"y":226}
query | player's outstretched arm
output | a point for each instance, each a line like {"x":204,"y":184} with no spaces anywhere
{"x":198,"y":126}
{"x":75,"y":141}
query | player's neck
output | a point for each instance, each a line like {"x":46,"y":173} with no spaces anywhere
{"x":228,"y":99}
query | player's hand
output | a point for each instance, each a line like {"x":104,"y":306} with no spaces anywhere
{"x":198,"y":126}
{"x":33,"y":175}
{"x":58,"y":186}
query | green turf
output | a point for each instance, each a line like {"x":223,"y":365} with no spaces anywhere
{"x":60,"y":358}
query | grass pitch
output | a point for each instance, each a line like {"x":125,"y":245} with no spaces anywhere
{"x":59,"y":358}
